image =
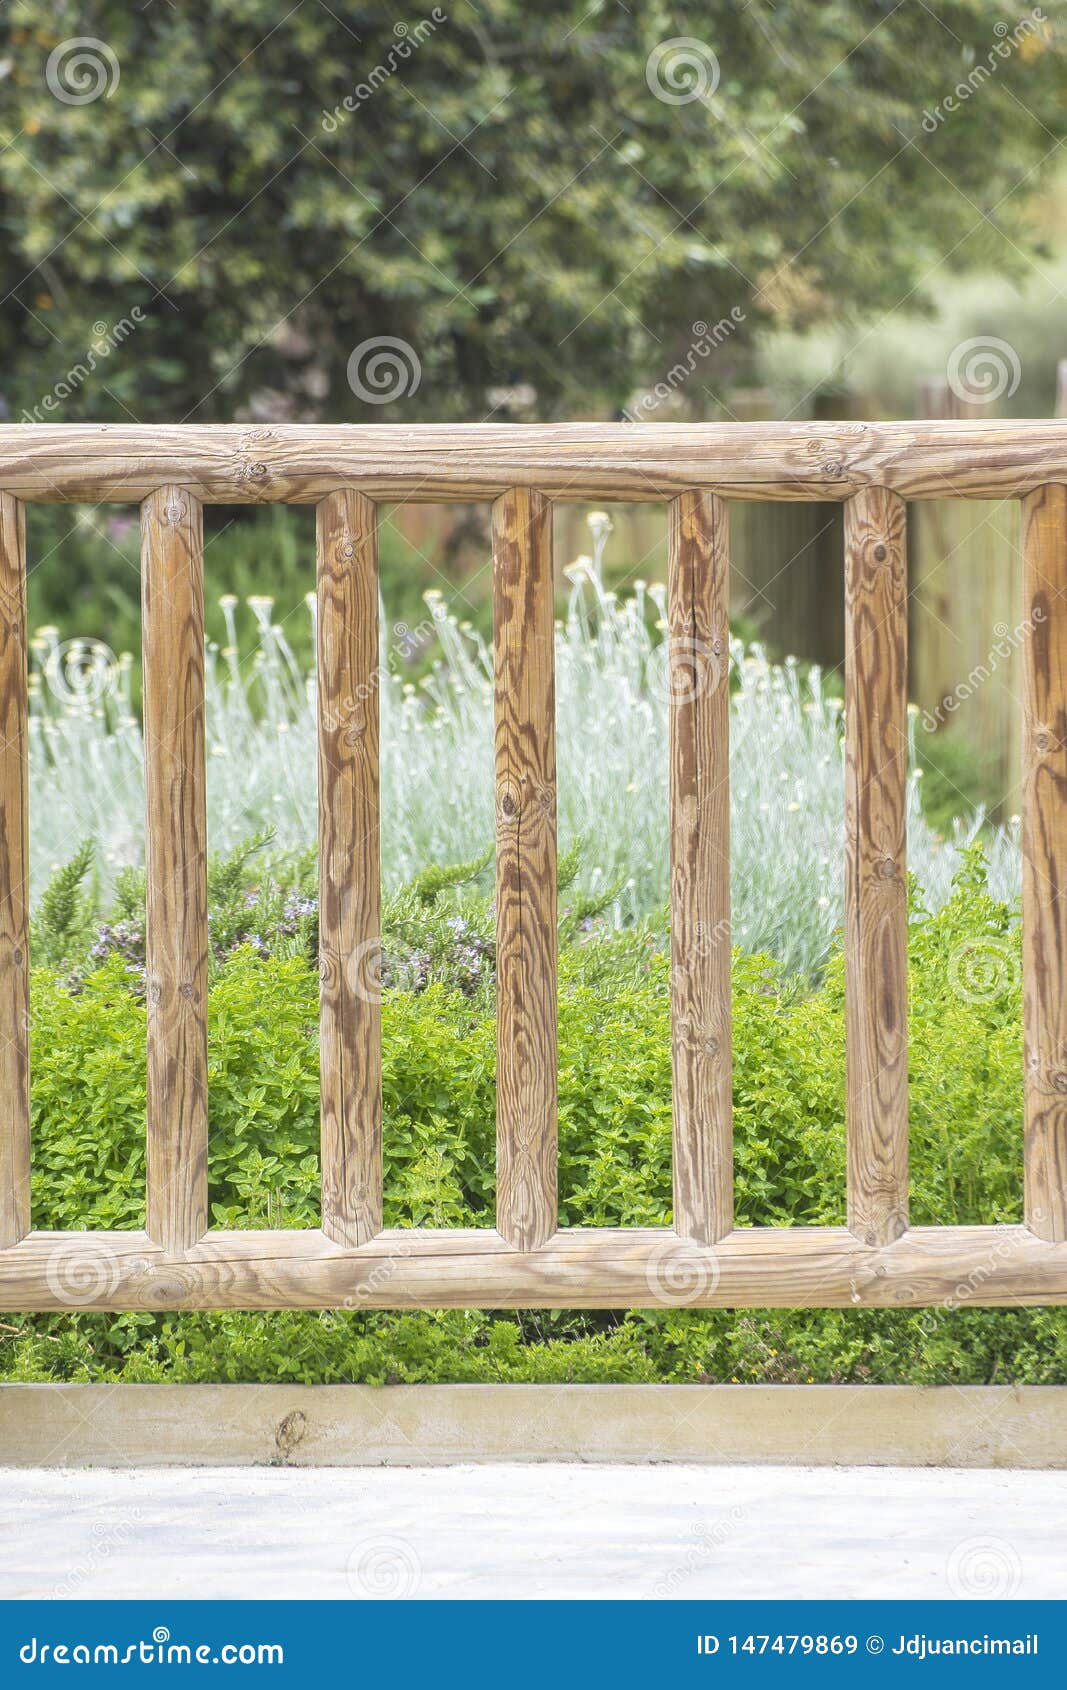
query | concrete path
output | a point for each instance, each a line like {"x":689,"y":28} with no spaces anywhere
{"x":533,"y":1531}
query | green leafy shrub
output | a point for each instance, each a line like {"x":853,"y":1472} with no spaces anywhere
{"x":438,"y":1084}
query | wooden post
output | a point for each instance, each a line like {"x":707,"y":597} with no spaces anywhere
{"x":876,"y":931}
{"x":14,"y":878}
{"x":1044,"y":516}
{"x":698,"y":660}
{"x":172,"y":534}
{"x":524,"y":659}
{"x":349,"y":868}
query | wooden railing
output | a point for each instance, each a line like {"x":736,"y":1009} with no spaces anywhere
{"x":878,"y":1259}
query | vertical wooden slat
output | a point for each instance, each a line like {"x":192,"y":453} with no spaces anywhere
{"x":525,"y":868}
{"x":698,"y":662}
{"x":172,"y":539}
{"x":349,"y":868}
{"x":14,"y":891}
{"x":876,"y":917}
{"x":1044,"y":515}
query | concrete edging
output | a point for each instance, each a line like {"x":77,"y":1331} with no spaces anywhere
{"x":416,"y":1425}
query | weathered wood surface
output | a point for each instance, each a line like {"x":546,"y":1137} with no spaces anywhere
{"x":773,"y":1267}
{"x":1045,"y":859}
{"x":876,"y":916}
{"x":172,"y":552}
{"x":302,"y":463}
{"x":14,"y":882}
{"x":524,"y":671}
{"x":350,"y":1041}
{"x":698,"y":658}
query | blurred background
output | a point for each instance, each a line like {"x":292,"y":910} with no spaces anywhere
{"x":489,"y":211}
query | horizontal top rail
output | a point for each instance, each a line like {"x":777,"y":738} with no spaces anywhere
{"x":302,"y":463}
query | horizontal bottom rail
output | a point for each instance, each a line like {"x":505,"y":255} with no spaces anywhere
{"x":768,"y":1267}
{"x":130,"y":1426}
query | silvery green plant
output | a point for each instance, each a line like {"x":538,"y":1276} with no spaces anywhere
{"x":786,"y":763}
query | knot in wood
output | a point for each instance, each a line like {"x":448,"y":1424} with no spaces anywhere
{"x":187,"y":990}
{"x":880,"y":553}
{"x":1059,"y":1079}
{"x":16,"y":957}
{"x":509,"y":802}
{"x":176,"y":511}
{"x":887,"y":868}
{"x":256,"y":472}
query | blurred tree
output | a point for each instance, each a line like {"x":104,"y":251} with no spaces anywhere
{"x":207,"y":209}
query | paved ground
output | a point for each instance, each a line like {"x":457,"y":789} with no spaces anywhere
{"x":533,"y":1531}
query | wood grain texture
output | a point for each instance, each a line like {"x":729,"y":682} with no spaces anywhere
{"x":524,"y":668}
{"x":302,"y":463}
{"x":14,"y":882}
{"x":876,"y":915}
{"x":172,"y":563}
{"x":584,"y":1267}
{"x":349,"y":868}
{"x":1045,"y":860}
{"x":698,"y":656}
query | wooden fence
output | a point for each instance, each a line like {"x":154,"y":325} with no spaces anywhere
{"x":877,"y":1259}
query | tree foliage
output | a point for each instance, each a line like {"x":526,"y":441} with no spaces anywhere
{"x":507,"y":192}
